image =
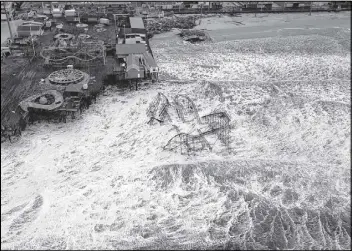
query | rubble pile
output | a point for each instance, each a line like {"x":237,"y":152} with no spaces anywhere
{"x":194,"y":35}
{"x":166,"y":24}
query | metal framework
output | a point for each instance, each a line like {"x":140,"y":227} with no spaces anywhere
{"x":186,"y":109}
{"x":80,"y":53}
{"x":66,"y":76}
{"x":187,"y":143}
{"x":157,"y":109}
{"x":219,"y":123}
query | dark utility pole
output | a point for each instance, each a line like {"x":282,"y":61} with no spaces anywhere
{"x":7,"y":19}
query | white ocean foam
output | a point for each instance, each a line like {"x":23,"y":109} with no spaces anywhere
{"x":94,"y":174}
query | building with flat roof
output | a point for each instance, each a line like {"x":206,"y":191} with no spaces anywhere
{"x":137,"y":62}
{"x":30,"y":29}
{"x":150,"y":62}
{"x":136,"y":23}
{"x":123,"y":50}
{"x":133,"y":59}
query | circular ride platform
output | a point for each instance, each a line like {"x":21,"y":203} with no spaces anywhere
{"x":63,"y":36}
{"x":83,"y":36}
{"x":53,"y":100}
{"x":66,"y":77}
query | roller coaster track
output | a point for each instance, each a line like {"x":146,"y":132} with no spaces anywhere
{"x":93,"y":51}
{"x":71,"y":56}
{"x":186,"y":109}
{"x":216,"y":120}
{"x":190,"y":143}
{"x":157,"y":110}
{"x":218,"y":123}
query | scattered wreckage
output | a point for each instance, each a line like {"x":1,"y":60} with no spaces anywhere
{"x":217,"y":123}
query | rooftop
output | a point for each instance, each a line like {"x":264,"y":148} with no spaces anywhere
{"x":28,"y":28}
{"x":75,"y":87}
{"x":150,"y":60}
{"x":122,"y":49}
{"x":133,"y":62}
{"x":137,"y":22}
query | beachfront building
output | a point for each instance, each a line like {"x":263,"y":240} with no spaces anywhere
{"x":30,"y":28}
{"x":215,"y":5}
{"x":133,"y":60}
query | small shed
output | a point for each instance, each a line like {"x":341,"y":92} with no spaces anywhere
{"x":56,"y":12}
{"x":251,"y":6}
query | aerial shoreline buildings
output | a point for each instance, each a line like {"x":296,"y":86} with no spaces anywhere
{"x":109,"y":41}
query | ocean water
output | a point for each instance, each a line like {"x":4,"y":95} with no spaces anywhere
{"x":103,"y":181}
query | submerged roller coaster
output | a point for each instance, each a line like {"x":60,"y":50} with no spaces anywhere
{"x":157,"y":109}
{"x":216,"y":123}
{"x":186,"y":109}
{"x":187,"y":143}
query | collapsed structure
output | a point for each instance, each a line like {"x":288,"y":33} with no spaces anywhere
{"x":157,"y":109}
{"x":186,"y":109}
{"x":186,"y":143}
{"x":216,"y":123}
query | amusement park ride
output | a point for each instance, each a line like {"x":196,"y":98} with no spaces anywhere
{"x":217,"y":123}
{"x":58,"y":105}
{"x":73,"y":50}
{"x":54,"y":105}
